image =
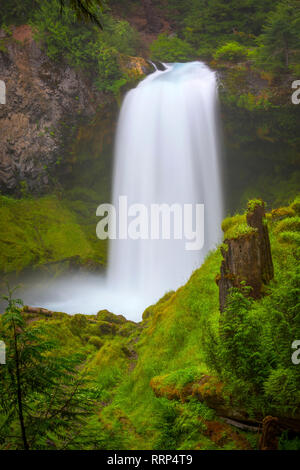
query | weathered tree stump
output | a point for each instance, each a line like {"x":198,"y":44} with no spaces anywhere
{"x":247,"y":258}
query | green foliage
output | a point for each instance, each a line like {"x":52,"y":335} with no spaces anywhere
{"x":96,"y":341}
{"x":229,"y":222}
{"x":87,"y":10}
{"x":253,"y":203}
{"x":286,"y":443}
{"x":171,"y":49}
{"x":182,"y":339}
{"x":208,"y":25}
{"x":291,"y":224}
{"x":85,"y":47}
{"x":296,"y":205}
{"x":44,"y":399}
{"x":43,"y":230}
{"x":251,"y":348}
{"x":239,"y":230}
{"x":231,"y":52}
{"x":19,"y":12}
{"x":282,"y":387}
{"x":279,"y":42}
{"x":16,"y":12}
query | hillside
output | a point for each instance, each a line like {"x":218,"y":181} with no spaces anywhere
{"x":174,"y":381}
{"x":209,"y":366}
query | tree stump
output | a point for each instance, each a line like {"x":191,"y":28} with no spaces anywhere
{"x":247,"y":258}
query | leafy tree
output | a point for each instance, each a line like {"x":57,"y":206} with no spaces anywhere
{"x":171,"y":49}
{"x":20,"y":11}
{"x":85,"y":47}
{"x":280,"y":41}
{"x":44,"y":398}
{"x":232,"y":52}
{"x":17,"y":12}
{"x":84,"y":9}
{"x":207,"y":24}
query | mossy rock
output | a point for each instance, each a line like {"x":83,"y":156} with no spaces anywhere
{"x":127,"y":329}
{"x":282,"y":213}
{"x":106,"y":316}
{"x":96,"y":341}
{"x":290,"y":224}
{"x":295,"y":206}
{"x":106,"y":328}
{"x":78,"y":324}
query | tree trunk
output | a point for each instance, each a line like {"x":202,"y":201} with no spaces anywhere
{"x":247,"y":259}
{"x":19,"y":392}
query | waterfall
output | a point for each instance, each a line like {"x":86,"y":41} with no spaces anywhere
{"x":166,"y":153}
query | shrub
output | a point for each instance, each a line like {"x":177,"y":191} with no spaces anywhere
{"x":96,"y":341}
{"x":239,"y":230}
{"x":282,"y":213}
{"x":171,"y":49}
{"x":291,"y":224}
{"x":231,"y":221}
{"x":296,"y":205}
{"x":282,"y":388}
{"x":84,"y":46}
{"x":231,"y":52}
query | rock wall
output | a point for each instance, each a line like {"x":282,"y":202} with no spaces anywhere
{"x":44,"y":103}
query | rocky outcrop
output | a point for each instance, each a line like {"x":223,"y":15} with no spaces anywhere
{"x":49,"y":107}
{"x":247,"y":257}
{"x":40,"y":96}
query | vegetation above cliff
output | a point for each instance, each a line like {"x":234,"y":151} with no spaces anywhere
{"x":267,"y":33}
{"x":83,"y":46}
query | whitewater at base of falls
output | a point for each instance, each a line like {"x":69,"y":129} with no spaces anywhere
{"x":167,"y":152}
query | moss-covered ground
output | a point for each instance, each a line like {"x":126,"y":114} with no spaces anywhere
{"x":156,"y":381}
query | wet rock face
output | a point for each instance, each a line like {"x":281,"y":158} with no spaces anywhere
{"x":247,"y":258}
{"x":40,"y":96}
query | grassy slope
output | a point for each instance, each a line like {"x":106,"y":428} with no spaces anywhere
{"x":170,"y":350}
{"x":37,"y":231}
{"x":130,"y":361}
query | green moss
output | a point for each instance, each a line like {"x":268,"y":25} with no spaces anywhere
{"x":290,"y":237}
{"x":239,"y":230}
{"x":253,"y":203}
{"x":295,"y":206}
{"x":105,"y":315}
{"x":96,"y":341}
{"x":176,"y":344}
{"x":290,"y":224}
{"x":182,"y":377}
{"x":229,"y":222}
{"x":282,"y":213}
{"x":232,"y":52}
{"x":39,"y":231}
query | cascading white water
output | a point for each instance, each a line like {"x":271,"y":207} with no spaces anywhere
{"x":166,"y":152}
